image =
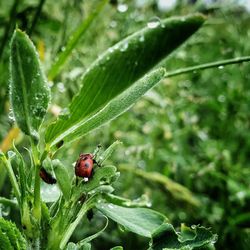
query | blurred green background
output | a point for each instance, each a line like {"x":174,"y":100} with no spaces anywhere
{"x":190,"y":133}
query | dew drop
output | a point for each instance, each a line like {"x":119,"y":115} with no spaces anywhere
{"x":65,"y":114}
{"x":11,"y":115}
{"x":124,"y":47}
{"x":111,"y":50}
{"x":122,"y":7}
{"x":154,"y":22}
{"x":113,"y":24}
{"x":221,"y":67}
{"x":63,"y":48}
{"x":61,"y":87}
{"x":142,"y":38}
{"x":110,"y":206}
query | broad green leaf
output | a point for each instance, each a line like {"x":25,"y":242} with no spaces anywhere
{"x":92,"y":237}
{"x":117,"y":248}
{"x":74,"y":39}
{"x":114,"y":108}
{"x":118,"y":68}
{"x":10,"y":236}
{"x":29,"y":94}
{"x":103,"y":175}
{"x":62,"y":177}
{"x":165,"y":237}
{"x":142,"y":221}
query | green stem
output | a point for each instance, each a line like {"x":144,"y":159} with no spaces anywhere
{"x":69,"y":231}
{"x":36,"y":17}
{"x":8,"y":202}
{"x":177,"y":190}
{"x":12,"y":177}
{"x":73,"y":40}
{"x":9,"y":26}
{"x":208,"y":66}
{"x":37,"y":186}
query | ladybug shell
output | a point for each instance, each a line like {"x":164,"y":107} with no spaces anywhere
{"x":84,"y":166}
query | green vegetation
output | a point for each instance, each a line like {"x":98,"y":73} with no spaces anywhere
{"x":170,"y":173}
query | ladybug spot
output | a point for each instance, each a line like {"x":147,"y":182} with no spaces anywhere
{"x":86,"y":165}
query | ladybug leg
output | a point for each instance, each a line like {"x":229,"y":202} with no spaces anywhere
{"x":96,"y":162}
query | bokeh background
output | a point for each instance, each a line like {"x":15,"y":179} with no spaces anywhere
{"x":186,"y":143}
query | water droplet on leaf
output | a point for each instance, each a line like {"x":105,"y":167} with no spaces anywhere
{"x":122,"y":7}
{"x":124,"y":47}
{"x":154,"y":22}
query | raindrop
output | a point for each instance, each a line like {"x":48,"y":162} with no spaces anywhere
{"x":154,"y":22}
{"x":110,"y":206}
{"x":122,"y":7}
{"x":111,"y":50}
{"x":39,"y":96}
{"x":221,"y":67}
{"x":63,"y":48}
{"x":11,"y":115}
{"x":124,"y":47}
{"x":50,"y":84}
{"x":65,"y":114}
{"x":61,"y":87}
{"x":113,"y":24}
{"x":221,"y":98}
{"x":142,"y":38}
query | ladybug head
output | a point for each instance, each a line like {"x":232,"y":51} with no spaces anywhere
{"x":86,"y":156}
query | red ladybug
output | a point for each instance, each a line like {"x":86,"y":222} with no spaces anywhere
{"x":84,"y":165}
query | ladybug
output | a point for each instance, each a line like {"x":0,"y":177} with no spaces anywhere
{"x":84,"y":165}
{"x":47,"y":177}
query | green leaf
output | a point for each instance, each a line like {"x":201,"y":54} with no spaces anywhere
{"x":142,"y":221}
{"x":114,"y":108}
{"x":74,"y":39}
{"x":10,"y":236}
{"x":92,"y":237}
{"x":62,"y":177}
{"x":165,"y":237}
{"x":108,"y":152}
{"x":102,"y":175}
{"x":29,"y":94}
{"x":117,"y":248}
{"x":117,"y":69}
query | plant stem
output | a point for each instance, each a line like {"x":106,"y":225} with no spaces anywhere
{"x":69,"y":231}
{"x":9,"y":26}
{"x":8,"y":202}
{"x":73,"y":40}
{"x":37,"y":199}
{"x":12,"y":177}
{"x":207,"y":66}
{"x":36,"y":16}
{"x":177,"y":190}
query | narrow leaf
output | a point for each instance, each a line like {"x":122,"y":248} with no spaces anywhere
{"x":120,"y":67}
{"x":73,"y":40}
{"x":142,"y":221}
{"x":114,"y":108}
{"x":29,"y":94}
